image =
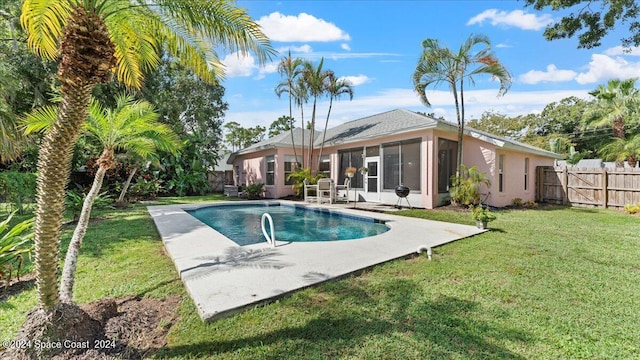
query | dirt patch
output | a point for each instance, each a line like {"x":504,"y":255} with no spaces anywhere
{"x":17,"y":285}
{"x":127,"y":328}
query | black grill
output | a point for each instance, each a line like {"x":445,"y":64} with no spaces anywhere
{"x":402,"y":191}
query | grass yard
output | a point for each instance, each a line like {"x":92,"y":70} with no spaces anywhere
{"x":550,"y":283}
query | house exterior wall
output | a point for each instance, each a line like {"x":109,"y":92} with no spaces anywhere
{"x":253,"y":169}
{"x":484,"y":155}
{"x":417,"y":198}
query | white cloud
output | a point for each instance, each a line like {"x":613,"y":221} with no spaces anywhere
{"x":503,"y":46}
{"x":356,"y":80}
{"x":603,"y":68}
{"x":303,"y":27}
{"x":551,"y":75}
{"x":515,"y":18}
{"x":269,"y":68}
{"x":345,"y":46}
{"x":619,"y":50}
{"x":304,"y":49}
{"x":476,"y":102}
{"x":237,"y":64}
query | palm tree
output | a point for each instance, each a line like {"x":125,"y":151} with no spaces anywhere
{"x":336,"y":88}
{"x":315,"y":80}
{"x":301,"y":97}
{"x":131,"y":127}
{"x":94,"y":39}
{"x":441,"y":65}
{"x":290,"y":69}
{"x":616,"y":105}
{"x":621,"y":149}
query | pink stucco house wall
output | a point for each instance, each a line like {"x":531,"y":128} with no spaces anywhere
{"x":398,"y":147}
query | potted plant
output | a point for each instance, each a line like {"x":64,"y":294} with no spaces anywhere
{"x":350,"y":171}
{"x":482,"y":215}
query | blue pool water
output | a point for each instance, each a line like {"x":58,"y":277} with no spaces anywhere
{"x":241,"y":223}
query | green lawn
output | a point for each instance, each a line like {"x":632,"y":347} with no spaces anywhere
{"x":550,"y":283}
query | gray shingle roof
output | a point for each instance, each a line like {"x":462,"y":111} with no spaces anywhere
{"x":387,"y":123}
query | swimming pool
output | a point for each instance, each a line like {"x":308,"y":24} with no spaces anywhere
{"x":294,"y":223}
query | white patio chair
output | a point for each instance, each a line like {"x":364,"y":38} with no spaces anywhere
{"x":326,"y":190}
{"x":310,"y":191}
{"x":343,"y":188}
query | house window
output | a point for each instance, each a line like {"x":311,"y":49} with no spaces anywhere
{"x":401,"y":164}
{"x":324,"y":166}
{"x":447,"y":163}
{"x":526,"y":174}
{"x":271,"y":170}
{"x":351,"y":158}
{"x":290,"y":166}
{"x":501,"y":173}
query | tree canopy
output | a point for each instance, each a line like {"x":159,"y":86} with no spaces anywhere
{"x":592,"y":20}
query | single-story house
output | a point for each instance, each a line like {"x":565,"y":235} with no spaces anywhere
{"x":398,"y":147}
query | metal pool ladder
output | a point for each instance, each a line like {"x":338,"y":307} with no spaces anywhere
{"x":270,"y":239}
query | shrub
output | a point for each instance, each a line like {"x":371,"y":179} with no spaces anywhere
{"x":14,"y":245}
{"x":147,"y":188}
{"x":74,"y":202}
{"x":632,"y":208}
{"x":481,"y":213}
{"x":254,"y":191}
{"x":19,"y":188}
{"x":300,"y":175}
{"x":517,"y":202}
{"x":465,"y":189}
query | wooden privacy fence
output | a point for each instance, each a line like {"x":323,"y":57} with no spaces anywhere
{"x":584,"y":187}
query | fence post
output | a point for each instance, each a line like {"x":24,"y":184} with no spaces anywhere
{"x":539,"y":183}
{"x":565,"y":186}
{"x":605,"y":185}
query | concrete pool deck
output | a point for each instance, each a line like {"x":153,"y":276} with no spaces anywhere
{"x":223,"y":278}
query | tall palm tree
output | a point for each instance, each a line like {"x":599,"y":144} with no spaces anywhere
{"x":94,"y":39}
{"x":301,"y":97}
{"x":335,"y":88}
{"x":439,"y":64}
{"x":289,"y":68}
{"x":131,"y":127}
{"x":616,"y":104}
{"x":315,"y":80}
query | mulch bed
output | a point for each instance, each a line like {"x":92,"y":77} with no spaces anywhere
{"x":131,"y":327}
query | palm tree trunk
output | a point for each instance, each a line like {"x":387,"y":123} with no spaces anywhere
{"x":324,"y":133}
{"x":460,"y":136}
{"x":302,"y":145}
{"x":125,"y":187}
{"x":79,"y":72}
{"x":71,"y":259}
{"x":291,"y":127}
{"x":311,"y":136}
{"x":54,"y":168}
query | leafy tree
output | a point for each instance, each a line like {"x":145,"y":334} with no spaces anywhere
{"x":189,"y":105}
{"x":93,"y":39}
{"x":503,"y":125}
{"x":239,"y":137}
{"x":593,"y":20}
{"x":439,"y":65}
{"x":284,"y":123}
{"x":335,"y":88}
{"x":290,"y":69}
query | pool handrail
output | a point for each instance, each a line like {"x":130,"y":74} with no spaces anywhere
{"x":270,"y":239}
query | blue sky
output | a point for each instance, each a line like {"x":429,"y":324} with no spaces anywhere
{"x":376,"y":44}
